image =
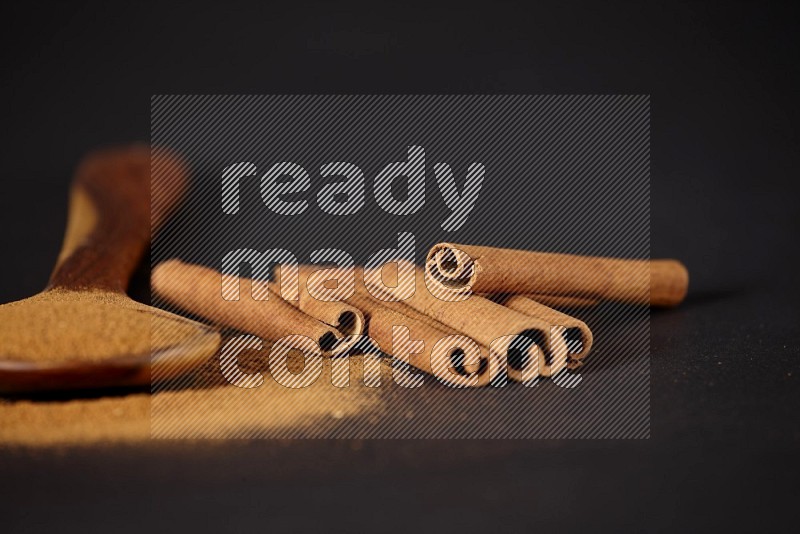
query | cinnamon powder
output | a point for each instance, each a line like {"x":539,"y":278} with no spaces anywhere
{"x":205,"y":406}
{"x":60,"y":325}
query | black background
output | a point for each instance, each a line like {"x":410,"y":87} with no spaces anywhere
{"x":723,"y":79}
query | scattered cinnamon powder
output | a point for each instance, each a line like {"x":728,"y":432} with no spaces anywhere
{"x":111,"y":419}
{"x":204,"y":405}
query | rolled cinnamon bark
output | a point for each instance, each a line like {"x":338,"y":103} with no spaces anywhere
{"x":413,"y":315}
{"x":526,"y":343}
{"x":459,"y":361}
{"x":460,"y":269}
{"x":197,"y":290}
{"x":347,"y":319}
{"x":576,"y":334}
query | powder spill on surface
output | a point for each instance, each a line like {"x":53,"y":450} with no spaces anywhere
{"x":206,"y":406}
{"x":62,"y":326}
{"x":111,"y":419}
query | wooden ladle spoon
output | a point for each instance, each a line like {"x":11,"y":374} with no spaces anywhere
{"x":83,"y":331}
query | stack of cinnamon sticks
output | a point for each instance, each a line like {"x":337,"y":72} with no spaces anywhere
{"x":471,"y":315}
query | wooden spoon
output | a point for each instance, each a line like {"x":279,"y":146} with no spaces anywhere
{"x":83,"y":331}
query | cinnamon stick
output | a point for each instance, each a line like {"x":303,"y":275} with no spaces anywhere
{"x":197,"y":290}
{"x":526,"y":343}
{"x":576,"y":334}
{"x":313,"y":300}
{"x":459,"y":269}
{"x":397,"y":329}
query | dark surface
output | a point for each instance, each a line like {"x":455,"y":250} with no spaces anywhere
{"x":725,"y":371}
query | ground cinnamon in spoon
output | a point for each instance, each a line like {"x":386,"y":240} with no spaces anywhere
{"x":60,"y":326}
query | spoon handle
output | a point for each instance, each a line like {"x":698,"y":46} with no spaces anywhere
{"x":111,"y":215}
